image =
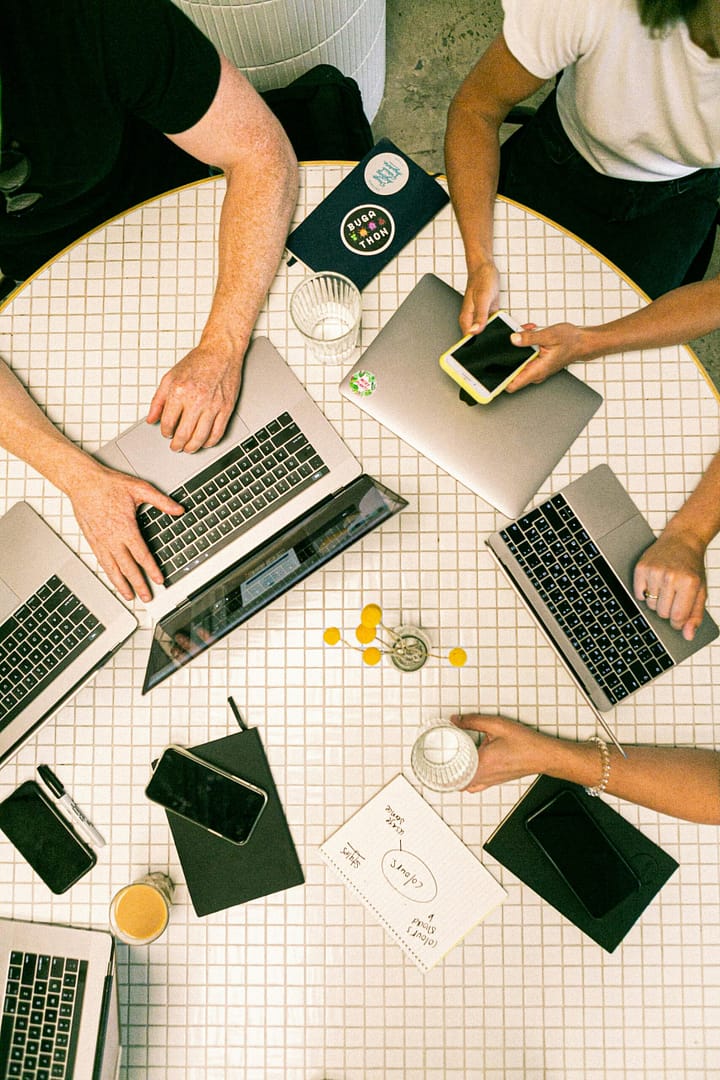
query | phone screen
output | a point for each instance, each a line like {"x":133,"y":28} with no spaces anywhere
{"x":227,"y":805}
{"x":44,"y":838}
{"x":581,"y":852}
{"x":490,"y":357}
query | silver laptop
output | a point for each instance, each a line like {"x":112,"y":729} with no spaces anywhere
{"x":58,"y":624}
{"x":572,"y":559}
{"x":60,"y":1010}
{"x":278,"y":496}
{"x":502,"y":451}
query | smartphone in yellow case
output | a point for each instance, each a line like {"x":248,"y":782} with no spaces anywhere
{"x":483,"y":364}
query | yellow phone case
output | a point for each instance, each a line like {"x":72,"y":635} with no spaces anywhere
{"x":456,"y":376}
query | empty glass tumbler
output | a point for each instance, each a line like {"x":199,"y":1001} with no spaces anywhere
{"x":444,"y":757}
{"x":326,"y":309}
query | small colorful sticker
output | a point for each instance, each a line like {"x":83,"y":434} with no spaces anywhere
{"x":386,"y":174}
{"x":363,"y":383}
{"x":367,"y":230}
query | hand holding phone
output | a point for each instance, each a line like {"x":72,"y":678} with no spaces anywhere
{"x":224,"y":804}
{"x":483,"y":364}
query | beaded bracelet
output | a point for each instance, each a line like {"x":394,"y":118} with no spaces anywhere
{"x":605,"y":756}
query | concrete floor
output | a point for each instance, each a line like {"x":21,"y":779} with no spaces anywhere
{"x":431,"y":45}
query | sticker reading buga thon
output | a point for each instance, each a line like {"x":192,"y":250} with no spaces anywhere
{"x":367,"y":230}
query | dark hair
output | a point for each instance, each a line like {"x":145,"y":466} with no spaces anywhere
{"x":659,"y":15}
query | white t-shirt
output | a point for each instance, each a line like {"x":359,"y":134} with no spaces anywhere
{"x":636,"y":107}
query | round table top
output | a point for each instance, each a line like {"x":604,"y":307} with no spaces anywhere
{"x":307,"y":983}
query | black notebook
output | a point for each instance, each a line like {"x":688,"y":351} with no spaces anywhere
{"x":369,"y":217}
{"x":219,"y":874}
{"x":514,"y":847}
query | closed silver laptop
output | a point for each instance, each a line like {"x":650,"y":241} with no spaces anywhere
{"x":572,"y":560}
{"x":502,"y":451}
{"x":58,"y":624}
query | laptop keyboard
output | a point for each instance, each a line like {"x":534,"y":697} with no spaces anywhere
{"x":238,"y":489}
{"x":41,"y":1016}
{"x":39,"y":640}
{"x":591,"y":605}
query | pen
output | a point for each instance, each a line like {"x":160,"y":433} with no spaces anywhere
{"x":56,"y":787}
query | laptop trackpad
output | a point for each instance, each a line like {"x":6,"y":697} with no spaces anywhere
{"x":8,"y":600}
{"x":623,"y":546}
{"x":150,"y":456}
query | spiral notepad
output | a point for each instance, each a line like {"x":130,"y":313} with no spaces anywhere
{"x":412,"y":872}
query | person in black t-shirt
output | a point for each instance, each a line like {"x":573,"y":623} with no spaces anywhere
{"x":105,"y":103}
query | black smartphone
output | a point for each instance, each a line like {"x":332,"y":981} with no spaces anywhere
{"x":45,"y":838}
{"x":222,"y":803}
{"x":586,"y":859}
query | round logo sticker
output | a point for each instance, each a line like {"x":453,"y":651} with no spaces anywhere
{"x":363,"y":383}
{"x":367,"y":230}
{"x":386,"y":174}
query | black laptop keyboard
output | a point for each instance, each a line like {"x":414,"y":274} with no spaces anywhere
{"x":39,"y":640}
{"x":238,"y":489}
{"x":589,"y":602}
{"x":41,"y":1016}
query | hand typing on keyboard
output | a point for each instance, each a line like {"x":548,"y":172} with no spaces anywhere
{"x":106,"y":504}
{"x":670,"y":578}
{"x":673,"y":568}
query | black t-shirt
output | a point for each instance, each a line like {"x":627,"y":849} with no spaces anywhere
{"x":87,"y":88}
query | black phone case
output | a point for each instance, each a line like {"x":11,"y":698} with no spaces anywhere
{"x":515,"y":849}
{"x":37,"y":838}
{"x":618,"y":864}
{"x":155,"y":797}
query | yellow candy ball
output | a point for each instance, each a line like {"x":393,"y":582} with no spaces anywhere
{"x":365,"y":634}
{"x":457,"y":657}
{"x":371,"y":615}
{"x":331,"y":635}
{"x":371,"y":656}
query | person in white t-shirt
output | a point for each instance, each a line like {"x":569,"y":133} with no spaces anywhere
{"x":624,"y":154}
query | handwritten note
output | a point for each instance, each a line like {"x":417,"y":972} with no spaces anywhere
{"x":410,"y":869}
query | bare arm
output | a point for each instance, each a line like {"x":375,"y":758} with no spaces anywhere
{"x":472,"y":155}
{"x":239,"y":134}
{"x":196,"y":398}
{"x":677,"y":317}
{"x":684,"y":783}
{"x":673,"y":568}
{"x":105,"y":502}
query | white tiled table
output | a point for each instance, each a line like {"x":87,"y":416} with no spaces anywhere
{"x":306,"y":985}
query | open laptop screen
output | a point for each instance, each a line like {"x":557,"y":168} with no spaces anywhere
{"x":271,"y":570}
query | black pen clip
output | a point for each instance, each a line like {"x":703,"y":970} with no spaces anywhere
{"x":236,"y":713}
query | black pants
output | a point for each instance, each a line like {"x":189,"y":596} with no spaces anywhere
{"x":652,"y":231}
